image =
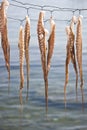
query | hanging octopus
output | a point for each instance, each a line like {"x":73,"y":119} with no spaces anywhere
{"x":42,"y":32}
{"x":79,"y":47}
{"x":21,"y":53}
{"x":70,"y":54}
{"x":4,"y":34}
{"x":26,"y":47}
{"x":51,"y":42}
{"x":3,"y":17}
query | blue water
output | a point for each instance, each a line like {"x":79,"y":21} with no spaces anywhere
{"x":32,"y":114}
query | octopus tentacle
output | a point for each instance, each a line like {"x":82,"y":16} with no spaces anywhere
{"x":21,"y":55}
{"x":68,"y":58}
{"x":4,"y":35}
{"x":3,"y":17}
{"x":73,"y":58}
{"x":70,"y":54}
{"x":26,"y":44}
{"x":42,"y":32}
{"x":51,"y":42}
{"x":79,"y":48}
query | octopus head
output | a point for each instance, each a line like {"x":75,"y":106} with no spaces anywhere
{"x":27,"y":19}
{"x":52,"y":21}
{"x":74,"y":19}
{"x":80,"y":18}
{"x":6,"y":3}
{"x":42,"y":14}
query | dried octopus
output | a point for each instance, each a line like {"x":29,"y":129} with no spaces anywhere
{"x":45,"y":57}
{"x":51,"y":42}
{"x":42,"y":32}
{"x":70,"y":54}
{"x":26,"y":47}
{"x":79,"y":47}
{"x":4,"y":34}
{"x":21,"y":55}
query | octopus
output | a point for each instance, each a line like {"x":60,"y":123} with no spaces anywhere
{"x":51,"y":42}
{"x":70,"y":56}
{"x":26,"y":47}
{"x":42,"y":32}
{"x":21,"y":55}
{"x":79,"y":53}
{"x":79,"y":47}
{"x":4,"y":34}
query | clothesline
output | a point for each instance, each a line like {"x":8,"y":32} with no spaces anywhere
{"x":51,"y":9}
{"x":35,"y":20}
{"x":47,"y":6}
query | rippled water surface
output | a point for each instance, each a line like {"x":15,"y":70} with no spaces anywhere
{"x":32,"y":114}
